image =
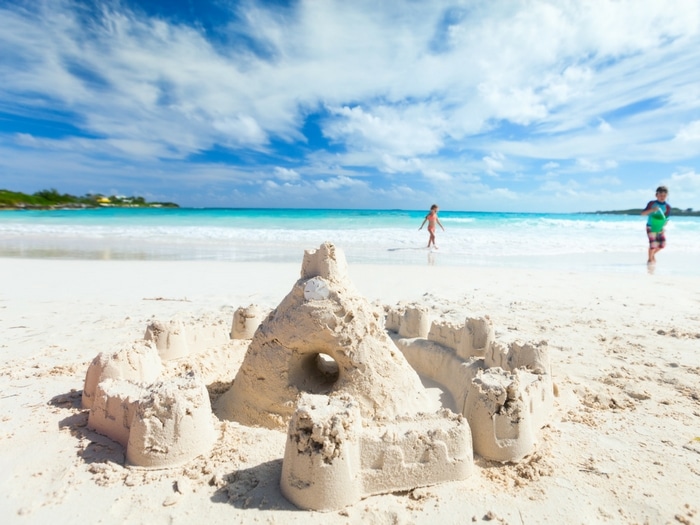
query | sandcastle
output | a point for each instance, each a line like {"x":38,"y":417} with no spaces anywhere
{"x":341,"y":377}
{"x":161,"y":422}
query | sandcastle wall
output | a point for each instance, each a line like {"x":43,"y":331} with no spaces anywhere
{"x":172,"y":424}
{"x":504,"y":391}
{"x":162,"y":424}
{"x":333,"y":459}
{"x":175,"y":339}
{"x":506,"y":411}
{"x":113,"y":408}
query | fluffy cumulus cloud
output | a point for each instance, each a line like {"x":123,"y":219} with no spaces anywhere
{"x":403,"y":132}
{"x":358,"y":104}
{"x":690,"y":132}
{"x":286,"y":174}
{"x":684,"y":187}
{"x":494,"y":163}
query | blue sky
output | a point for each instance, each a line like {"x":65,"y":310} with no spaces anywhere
{"x":498,"y":105}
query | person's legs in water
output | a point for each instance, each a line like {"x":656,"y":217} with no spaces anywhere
{"x":657,"y":241}
{"x":431,"y":239}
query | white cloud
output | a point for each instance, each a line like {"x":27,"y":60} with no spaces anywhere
{"x":503,"y":193}
{"x":604,"y":127}
{"x":689,"y":132}
{"x":594,"y":165}
{"x":392,"y":130}
{"x":557,"y":188}
{"x":521,"y":106}
{"x":609,"y":180}
{"x":560,"y":88}
{"x":393,"y":164}
{"x":437,"y":176}
{"x":494,"y":162}
{"x":286,"y":174}
{"x":336,"y":183}
{"x":549,"y":84}
{"x":684,"y":189}
{"x":242,"y":130}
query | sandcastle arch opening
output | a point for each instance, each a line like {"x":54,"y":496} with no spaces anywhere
{"x":314,"y":372}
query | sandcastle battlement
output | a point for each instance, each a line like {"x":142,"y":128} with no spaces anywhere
{"x":333,"y":458}
{"x":469,"y":339}
{"x":246,"y":321}
{"x":504,"y":390}
{"x":174,"y":339}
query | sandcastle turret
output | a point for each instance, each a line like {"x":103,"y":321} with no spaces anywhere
{"x":160,"y":422}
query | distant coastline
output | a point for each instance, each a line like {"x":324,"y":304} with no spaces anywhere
{"x":53,"y":200}
{"x":675,"y":212}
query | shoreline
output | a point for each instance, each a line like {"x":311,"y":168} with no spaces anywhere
{"x":670,"y":263}
{"x":620,"y":446}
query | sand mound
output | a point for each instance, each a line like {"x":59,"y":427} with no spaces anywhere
{"x":323,"y":338}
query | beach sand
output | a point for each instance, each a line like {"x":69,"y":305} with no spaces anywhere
{"x":622,"y":444}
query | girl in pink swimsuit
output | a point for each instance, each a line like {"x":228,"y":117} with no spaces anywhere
{"x":432,"y":219}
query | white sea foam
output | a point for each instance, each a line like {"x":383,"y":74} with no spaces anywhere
{"x":468,"y":240}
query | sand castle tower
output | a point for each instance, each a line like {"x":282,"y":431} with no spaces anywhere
{"x":323,"y":338}
{"x":161,"y":422}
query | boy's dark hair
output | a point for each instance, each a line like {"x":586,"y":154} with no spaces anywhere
{"x":662,"y":189}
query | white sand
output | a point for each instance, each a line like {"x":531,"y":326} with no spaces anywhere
{"x":623,"y":445}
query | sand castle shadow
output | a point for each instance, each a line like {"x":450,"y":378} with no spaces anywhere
{"x":216,"y":389}
{"x":100,"y":448}
{"x":255,"y":488}
{"x":72,"y":399}
{"x":444,"y":397}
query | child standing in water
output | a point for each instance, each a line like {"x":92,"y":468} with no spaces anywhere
{"x":432,"y":219}
{"x":657,"y":237}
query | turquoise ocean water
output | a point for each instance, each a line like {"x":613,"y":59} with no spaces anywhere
{"x":561,"y":241}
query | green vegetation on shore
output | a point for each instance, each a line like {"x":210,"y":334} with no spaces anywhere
{"x":51,"y":199}
{"x":675,"y":212}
